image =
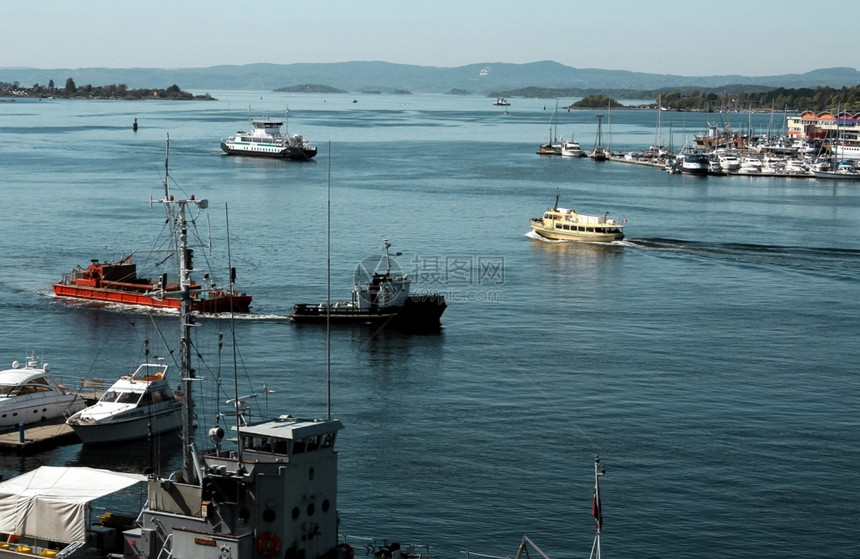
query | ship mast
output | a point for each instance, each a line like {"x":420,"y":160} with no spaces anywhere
{"x":597,"y":508}
{"x":176,"y":213}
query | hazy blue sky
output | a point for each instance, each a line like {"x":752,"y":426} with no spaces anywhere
{"x":747,"y":37}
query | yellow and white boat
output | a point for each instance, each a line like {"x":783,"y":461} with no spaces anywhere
{"x":567,"y":225}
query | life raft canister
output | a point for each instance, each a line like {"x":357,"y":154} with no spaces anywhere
{"x":268,"y":544}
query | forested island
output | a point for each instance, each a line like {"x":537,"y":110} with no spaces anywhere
{"x":309,"y":88}
{"x":722,"y":99}
{"x":115,"y":91}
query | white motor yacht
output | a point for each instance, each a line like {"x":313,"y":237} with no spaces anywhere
{"x":29,"y":394}
{"x":134,"y":407}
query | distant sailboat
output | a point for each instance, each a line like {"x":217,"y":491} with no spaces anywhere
{"x":553,"y":146}
{"x":599,"y":152}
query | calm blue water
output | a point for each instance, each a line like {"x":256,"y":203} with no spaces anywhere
{"x":710,"y":359}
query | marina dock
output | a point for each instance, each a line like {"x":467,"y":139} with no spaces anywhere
{"x":49,"y":434}
{"x":35,"y":438}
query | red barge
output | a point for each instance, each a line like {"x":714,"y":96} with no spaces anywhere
{"x":117,"y":282}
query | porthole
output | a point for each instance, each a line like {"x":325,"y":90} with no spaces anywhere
{"x":269,"y":515}
{"x":311,"y":509}
{"x":326,"y":505}
{"x":296,"y":513}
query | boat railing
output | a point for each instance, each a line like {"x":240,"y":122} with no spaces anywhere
{"x":594,"y":220}
{"x":468,"y":553}
{"x":375,"y":548}
{"x":91,"y":388}
{"x":70,"y":550}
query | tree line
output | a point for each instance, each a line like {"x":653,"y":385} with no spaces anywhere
{"x":113,"y":91}
{"x":816,"y":99}
{"x":728,"y":98}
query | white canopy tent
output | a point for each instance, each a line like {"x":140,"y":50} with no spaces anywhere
{"x":50,"y":502}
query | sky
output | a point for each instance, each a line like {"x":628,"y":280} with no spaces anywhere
{"x":689,"y":38}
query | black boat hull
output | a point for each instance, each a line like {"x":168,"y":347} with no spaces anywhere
{"x":419,"y":311}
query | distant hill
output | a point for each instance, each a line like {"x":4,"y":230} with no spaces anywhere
{"x":474,"y":79}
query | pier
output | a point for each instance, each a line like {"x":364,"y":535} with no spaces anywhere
{"x":35,"y":438}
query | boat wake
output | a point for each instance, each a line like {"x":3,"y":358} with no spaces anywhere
{"x":246,"y":317}
{"x":154,"y":311}
{"x":833,"y":262}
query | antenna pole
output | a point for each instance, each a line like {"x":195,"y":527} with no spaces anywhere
{"x":188,"y":471}
{"x":166,"y":171}
{"x":179,"y":224}
{"x":233,"y":333}
{"x":328,"y":291}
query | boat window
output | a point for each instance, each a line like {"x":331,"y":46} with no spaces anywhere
{"x":110,"y":396}
{"x":128,"y":398}
{"x":281,"y":447}
{"x":6,"y":390}
{"x":32,"y":389}
{"x":146,"y":399}
{"x":264,"y":444}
